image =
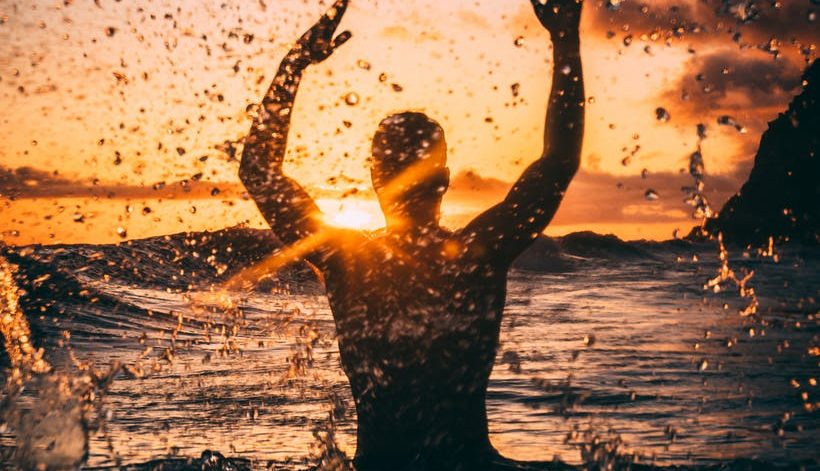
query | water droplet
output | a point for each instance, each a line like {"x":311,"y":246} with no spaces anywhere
{"x":352,"y":98}
{"x":110,"y":31}
{"x":627,"y":40}
{"x":397,"y":87}
{"x":696,"y":166}
{"x":566,"y":70}
{"x":662,"y":114}
{"x":701,"y":131}
{"x":363,"y":64}
{"x":651,"y":195}
{"x":516,"y":89}
{"x":726,"y":120}
{"x":519,"y":41}
{"x":122,"y":232}
{"x":613,"y":4}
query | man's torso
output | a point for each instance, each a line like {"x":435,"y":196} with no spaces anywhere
{"x":418,"y":324}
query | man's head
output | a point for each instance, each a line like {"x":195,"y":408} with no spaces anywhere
{"x":409,"y":168}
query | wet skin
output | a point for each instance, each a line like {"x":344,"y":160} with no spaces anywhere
{"x":418,"y":308}
{"x":418,"y":324}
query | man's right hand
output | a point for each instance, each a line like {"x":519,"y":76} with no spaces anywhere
{"x":318,"y":43}
{"x":560,"y":17}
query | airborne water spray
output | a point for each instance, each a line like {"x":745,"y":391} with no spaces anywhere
{"x":52,"y":423}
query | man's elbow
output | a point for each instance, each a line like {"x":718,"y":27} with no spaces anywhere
{"x":249,"y":173}
{"x":563,"y":162}
{"x":250,"y":178}
{"x":559,"y":171}
{"x":574,"y":165}
{"x":565,"y":177}
{"x":244,"y":175}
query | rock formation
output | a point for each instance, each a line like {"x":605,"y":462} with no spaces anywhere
{"x":780,"y":199}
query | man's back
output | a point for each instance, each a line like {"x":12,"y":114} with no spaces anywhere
{"x":418,"y":310}
{"x":418,"y":320}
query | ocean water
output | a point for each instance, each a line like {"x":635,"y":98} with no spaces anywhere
{"x":603,"y":342}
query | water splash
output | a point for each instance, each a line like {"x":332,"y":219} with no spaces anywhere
{"x":695,"y":195}
{"x":51,"y":434}
{"x":696,"y":198}
{"x":52,"y":413}
{"x":26,"y":360}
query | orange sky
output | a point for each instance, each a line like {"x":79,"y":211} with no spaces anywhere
{"x":163,"y":84}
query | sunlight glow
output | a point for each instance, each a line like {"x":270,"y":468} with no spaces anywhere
{"x":351,"y":217}
{"x":352,"y":213}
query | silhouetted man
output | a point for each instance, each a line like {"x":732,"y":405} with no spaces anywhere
{"x":418,"y":307}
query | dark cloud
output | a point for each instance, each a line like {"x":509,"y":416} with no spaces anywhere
{"x":726,"y":81}
{"x":664,"y":20}
{"x":27,"y":177}
{"x":788,"y":22}
{"x":22,"y":181}
{"x":749,"y":23}
{"x":28,"y":182}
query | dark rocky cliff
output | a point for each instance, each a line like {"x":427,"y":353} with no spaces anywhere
{"x":781,"y":196}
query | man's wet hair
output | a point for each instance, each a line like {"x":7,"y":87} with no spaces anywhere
{"x":403,"y":139}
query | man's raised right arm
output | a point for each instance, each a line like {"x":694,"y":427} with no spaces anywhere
{"x":507,"y":229}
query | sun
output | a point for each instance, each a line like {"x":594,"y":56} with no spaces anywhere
{"x":351,"y":217}
{"x":352,"y":213}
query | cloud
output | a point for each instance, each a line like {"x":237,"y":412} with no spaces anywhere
{"x":468,"y":182}
{"x":597,"y":197}
{"x":27,"y":177}
{"x":727,"y":81}
{"x":749,"y":23}
{"x":469,"y":17}
{"x":403,"y":34}
{"x":637,"y":17}
{"x":28,"y":182}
